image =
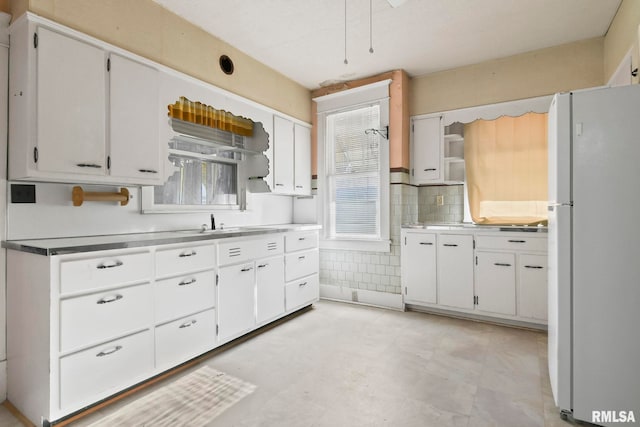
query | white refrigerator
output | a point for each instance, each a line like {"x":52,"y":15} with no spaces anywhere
{"x":594,"y":254}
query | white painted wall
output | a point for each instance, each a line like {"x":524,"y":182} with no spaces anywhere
{"x":53,"y":215}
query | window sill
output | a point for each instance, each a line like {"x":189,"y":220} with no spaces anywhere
{"x":357,"y":245}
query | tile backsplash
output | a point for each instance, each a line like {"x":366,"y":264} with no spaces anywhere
{"x":452,"y":208}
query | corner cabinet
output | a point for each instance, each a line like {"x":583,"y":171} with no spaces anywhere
{"x":79,"y":112}
{"x":501,"y":275}
{"x":292,"y":157}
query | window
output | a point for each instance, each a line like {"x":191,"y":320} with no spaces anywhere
{"x":353,"y":173}
{"x":354,"y":188}
{"x":206,"y":177}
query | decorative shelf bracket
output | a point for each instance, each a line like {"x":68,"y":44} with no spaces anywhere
{"x":79,"y":196}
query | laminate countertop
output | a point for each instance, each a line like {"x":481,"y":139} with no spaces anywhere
{"x":475,"y":227}
{"x":70,"y":245}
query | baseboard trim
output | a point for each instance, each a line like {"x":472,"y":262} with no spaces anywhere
{"x":361,"y":296}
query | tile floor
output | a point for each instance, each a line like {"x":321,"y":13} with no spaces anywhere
{"x":348,"y":365}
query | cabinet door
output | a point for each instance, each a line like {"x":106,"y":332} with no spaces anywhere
{"x":302,"y":157}
{"x":419,"y":267}
{"x":427,"y":136}
{"x":71,"y":105}
{"x":283,"y":155}
{"x":532,"y":295}
{"x":236,"y":299}
{"x":455,"y":270}
{"x":134,"y":122}
{"x":496,"y":282}
{"x":270,"y":288}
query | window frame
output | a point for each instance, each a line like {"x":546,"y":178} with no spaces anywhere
{"x":375,"y":93}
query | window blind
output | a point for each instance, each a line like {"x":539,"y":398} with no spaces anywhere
{"x":353,"y":173}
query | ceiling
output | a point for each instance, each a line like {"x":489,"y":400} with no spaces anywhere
{"x":305,"y":40}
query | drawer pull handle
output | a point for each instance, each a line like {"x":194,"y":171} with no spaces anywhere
{"x":298,"y":186}
{"x":187,"y":254}
{"x":279,"y":185}
{"x":302,"y":284}
{"x":427,"y":243}
{"x":301,"y":238}
{"x":430,"y":169}
{"x":533,"y":266}
{"x":452,"y":245}
{"x":302,"y":257}
{"x":247,"y":269}
{"x":517,"y":241}
{"x":147,"y":171}
{"x":89,"y":165}
{"x":188,"y":324}
{"x":187,"y":282}
{"x":262,"y":265}
{"x":502,"y":264}
{"x":115,"y":264}
{"x":109,"y":351}
{"x":111,"y":298}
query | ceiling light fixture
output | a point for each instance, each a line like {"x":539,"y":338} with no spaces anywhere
{"x":345,"y":33}
{"x":370,"y":26}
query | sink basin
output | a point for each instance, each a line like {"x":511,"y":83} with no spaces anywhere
{"x":220,"y":230}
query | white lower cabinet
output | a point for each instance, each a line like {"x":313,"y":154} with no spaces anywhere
{"x":185,"y":338}
{"x":105,"y":369}
{"x":532,"y":289}
{"x":497,"y":274}
{"x":418,"y":265}
{"x":269,"y":289}
{"x":301,"y":292}
{"x":496,"y":282}
{"x":97,"y":317}
{"x":455,"y":270}
{"x":236,"y":300}
{"x":83,"y":327}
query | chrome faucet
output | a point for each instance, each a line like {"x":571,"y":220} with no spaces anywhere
{"x":213,"y":222}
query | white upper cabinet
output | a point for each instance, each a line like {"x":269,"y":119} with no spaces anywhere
{"x":71,"y":101}
{"x":283,"y":155}
{"x":292,"y":157}
{"x":134,"y":123}
{"x":71,"y":119}
{"x":427,"y":141}
{"x":302,"y":163}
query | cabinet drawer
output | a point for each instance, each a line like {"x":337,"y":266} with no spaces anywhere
{"x":269,"y":246}
{"x":512,"y":243}
{"x":97,"y":317}
{"x":185,"y":338}
{"x":302,"y":292}
{"x":299,"y":240}
{"x":235,"y":252}
{"x":301,"y":264}
{"x":184,"y":259}
{"x":183,"y":295}
{"x":108,"y":270}
{"x":105,"y":369}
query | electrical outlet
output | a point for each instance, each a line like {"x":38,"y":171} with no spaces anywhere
{"x":439,"y":200}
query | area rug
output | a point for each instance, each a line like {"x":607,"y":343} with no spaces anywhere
{"x":193,"y":400}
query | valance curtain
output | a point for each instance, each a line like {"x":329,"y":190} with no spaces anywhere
{"x":506,"y":169}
